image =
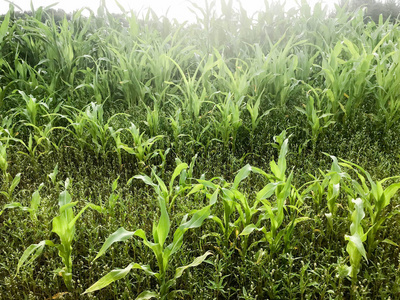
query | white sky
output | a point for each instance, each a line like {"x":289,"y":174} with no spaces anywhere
{"x":177,"y":8}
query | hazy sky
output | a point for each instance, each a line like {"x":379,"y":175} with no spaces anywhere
{"x":177,"y":8}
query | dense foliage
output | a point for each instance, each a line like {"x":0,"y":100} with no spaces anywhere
{"x":237,"y":157}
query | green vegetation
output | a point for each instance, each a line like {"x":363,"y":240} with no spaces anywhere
{"x":253,"y":157}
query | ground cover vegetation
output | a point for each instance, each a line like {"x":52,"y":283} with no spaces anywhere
{"x":236,"y":157}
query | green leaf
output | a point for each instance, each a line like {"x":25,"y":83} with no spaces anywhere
{"x":243,"y":173}
{"x":196,"y":221}
{"x":115,"y":275}
{"x":390,"y":191}
{"x":282,"y":157}
{"x":179,"y":271}
{"x":120,"y":235}
{"x":179,"y":168}
{"x":114,"y":184}
{"x":64,"y":198}
{"x":12,"y":205}
{"x":214,"y":197}
{"x":147,"y":295}
{"x":163,"y":225}
{"x":356,"y":240}
{"x":14,"y":183}
{"x":267,"y":191}
{"x":35,"y":249}
{"x":388,"y":241}
{"x":4,"y":26}
{"x":249,"y":229}
{"x":146,"y":179}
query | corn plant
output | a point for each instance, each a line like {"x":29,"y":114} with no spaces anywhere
{"x":97,"y":127}
{"x":232,"y":200}
{"x":64,"y":227}
{"x":113,"y":198}
{"x":170,"y":193}
{"x":162,"y":252}
{"x":53,"y":175}
{"x":90,"y":128}
{"x":355,"y":246}
{"x":275,"y":213}
{"x":236,"y":82}
{"x":118,"y":145}
{"x":254,"y":111}
{"x":152,"y":120}
{"x":129,"y":74}
{"x":387,"y":89}
{"x":280,"y":186}
{"x":229,"y":121}
{"x":32,"y":147}
{"x":333,"y":179}
{"x":34,"y":204}
{"x":3,"y":161}
{"x":42,"y":137}
{"x":33,"y":108}
{"x":193,"y":95}
{"x":347,"y":80}
{"x":375,"y":198}
{"x":318,"y":121}
{"x":10,"y":189}
{"x":141,"y":147}
{"x":176,"y":123}
{"x":275,"y":72}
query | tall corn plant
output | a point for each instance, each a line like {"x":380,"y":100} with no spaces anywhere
{"x":275,"y":72}
{"x":194,"y":95}
{"x":348,"y":72}
{"x":387,"y":89}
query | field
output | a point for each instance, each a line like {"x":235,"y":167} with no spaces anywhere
{"x":237,"y":157}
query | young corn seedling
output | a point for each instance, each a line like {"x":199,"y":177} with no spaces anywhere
{"x":3,"y":161}
{"x":233,"y":201}
{"x":64,"y":227}
{"x":170,"y":193}
{"x":10,"y":189}
{"x":53,"y":175}
{"x":317,"y":121}
{"x":141,"y":147}
{"x":176,"y":123}
{"x":355,"y":246}
{"x":274,"y":212}
{"x":162,"y":252}
{"x":112,"y":200}
{"x":152,"y":120}
{"x":376,"y":198}
{"x":116,"y":135}
{"x":229,"y":122}
{"x":332,"y":181}
{"x":32,"y":209}
{"x":32,"y":109}
{"x":279,"y":186}
{"x":254,"y":111}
